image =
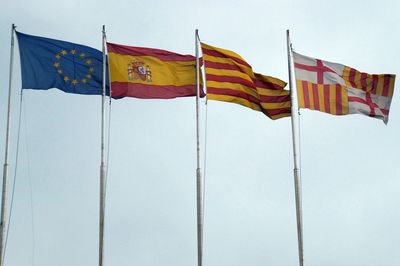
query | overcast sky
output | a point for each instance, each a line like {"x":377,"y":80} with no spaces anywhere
{"x":350,"y":174}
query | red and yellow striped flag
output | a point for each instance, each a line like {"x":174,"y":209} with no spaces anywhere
{"x":339,"y":90}
{"x":150,"y":73}
{"x":231,"y":79}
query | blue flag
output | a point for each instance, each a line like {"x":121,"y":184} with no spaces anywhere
{"x":70,"y":67}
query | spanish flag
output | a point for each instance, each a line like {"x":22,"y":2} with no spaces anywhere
{"x":150,"y":73}
{"x":231,"y":79}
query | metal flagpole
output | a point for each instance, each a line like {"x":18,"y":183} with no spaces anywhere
{"x":296,"y":170}
{"x":5,"y":167}
{"x":102,"y":165}
{"x":199,"y":182}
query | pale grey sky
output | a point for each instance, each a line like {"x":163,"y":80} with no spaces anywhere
{"x":350,"y":173}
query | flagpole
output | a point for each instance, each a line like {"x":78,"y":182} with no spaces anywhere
{"x":102,"y":165}
{"x":7,"y":146}
{"x":199,"y":182}
{"x":296,"y":170}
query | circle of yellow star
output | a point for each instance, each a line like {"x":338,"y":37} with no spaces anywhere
{"x":66,"y":78}
{"x":63,"y":52}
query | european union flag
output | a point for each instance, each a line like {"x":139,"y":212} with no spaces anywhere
{"x":70,"y":67}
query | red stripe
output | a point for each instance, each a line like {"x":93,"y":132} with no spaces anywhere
{"x":339,"y":110}
{"x":215,"y":65}
{"x":231,"y":79}
{"x":363,"y":81}
{"x":374,"y":85}
{"x":274,"y":112}
{"x":371,"y":104}
{"x":145,"y":91}
{"x":352,"y":75}
{"x":250,"y":98}
{"x":320,"y":73}
{"x":357,"y":99}
{"x":234,"y":93}
{"x":267,"y":85}
{"x":327,"y":102}
{"x":141,"y":51}
{"x":386,"y":85}
{"x":306,"y":94}
{"x":265,"y":82}
{"x":274,"y":99}
{"x":215,"y":53}
{"x":317,"y":68}
{"x":315,"y":96}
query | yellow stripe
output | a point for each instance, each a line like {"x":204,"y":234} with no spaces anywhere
{"x":345,"y":101}
{"x":229,"y":61}
{"x":269,"y":106}
{"x":321,"y":98}
{"x":232,"y":86}
{"x":357,"y":79}
{"x":310,"y":92}
{"x":345,"y":75}
{"x":379,"y":89}
{"x":223,"y":51}
{"x":273,"y":80}
{"x":274,"y":117}
{"x":269,"y":92}
{"x":229,"y":73}
{"x":300,"y":95}
{"x":332,"y":98}
{"x":369,"y":82}
{"x":232,"y":99}
{"x":178,"y":73}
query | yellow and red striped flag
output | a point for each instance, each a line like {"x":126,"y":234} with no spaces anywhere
{"x":231,"y":79}
{"x":339,"y":90}
{"x":150,"y":73}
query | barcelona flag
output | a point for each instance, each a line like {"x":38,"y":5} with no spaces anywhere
{"x":48,"y":63}
{"x":340,"y":90}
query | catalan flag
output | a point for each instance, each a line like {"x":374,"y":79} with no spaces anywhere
{"x":231,"y":79}
{"x":339,"y":90}
{"x":150,"y":73}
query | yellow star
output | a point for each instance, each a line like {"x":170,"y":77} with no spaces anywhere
{"x":84,"y":81}
{"x":91,"y":70}
{"x":56,"y":64}
{"x":58,"y":56}
{"x":66,"y":78}
{"x":63,"y":52}
{"x":82,"y":55}
{"x":59,"y":71}
{"x":74,"y":82}
{"x":89,"y":61}
{"x":73,"y":51}
{"x":89,"y":76}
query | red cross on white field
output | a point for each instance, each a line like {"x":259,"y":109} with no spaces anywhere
{"x":368,"y":102}
{"x":319,"y":69}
